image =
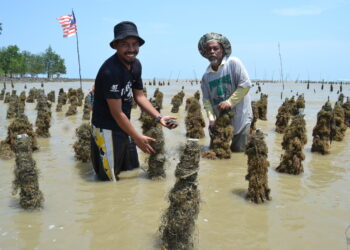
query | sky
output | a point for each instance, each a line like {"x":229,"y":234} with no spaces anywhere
{"x":314,"y":36}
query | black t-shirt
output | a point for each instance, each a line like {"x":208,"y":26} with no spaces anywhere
{"x":114,"y":81}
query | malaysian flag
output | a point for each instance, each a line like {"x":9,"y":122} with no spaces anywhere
{"x":69,"y":25}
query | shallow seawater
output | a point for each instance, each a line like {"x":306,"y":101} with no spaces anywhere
{"x":309,"y":211}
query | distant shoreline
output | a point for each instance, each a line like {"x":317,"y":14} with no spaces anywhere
{"x":64,"y":79}
{"x":42,"y":79}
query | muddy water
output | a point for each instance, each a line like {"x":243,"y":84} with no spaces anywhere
{"x":310,"y":211}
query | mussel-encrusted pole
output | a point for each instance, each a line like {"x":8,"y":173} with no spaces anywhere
{"x":283,"y":117}
{"x":43,"y":119}
{"x":194,"y":120}
{"x":74,"y":100}
{"x":158,"y":96}
{"x":20,"y":125}
{"x":300,"y":103}
{"x":262,"y":107}
{"x":220,"y":137}
{"x":176,"y":101}
{"x":338,"y":126}
{"x":297,"y":128}
{"x":346,"y":107}
{"x":322,"y":131}
{"x":26,"y":175}
{"x":258,"y":189}
{"x":293,"y":143}
{"x":82,"y":147}
{"x":255,"y":117}
{"x":178,"y":221}
{"x":153,"y":129}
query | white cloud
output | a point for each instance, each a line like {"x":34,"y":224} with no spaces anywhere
{"x":308,"y":11}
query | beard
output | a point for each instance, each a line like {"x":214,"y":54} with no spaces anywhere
{"x":214,"y":61}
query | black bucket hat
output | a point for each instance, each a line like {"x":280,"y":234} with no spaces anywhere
{"x":125,"y":29}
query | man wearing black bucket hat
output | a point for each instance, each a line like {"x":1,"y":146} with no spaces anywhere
{"x":225,"y":86}
{"x":117,"y":82}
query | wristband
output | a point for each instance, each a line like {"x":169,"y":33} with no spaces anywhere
{"x":158,"y":118}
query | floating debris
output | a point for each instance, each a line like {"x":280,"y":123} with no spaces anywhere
{"x":258,"y":189}
{"x":26,"y":175}
{"x":178,"y":221}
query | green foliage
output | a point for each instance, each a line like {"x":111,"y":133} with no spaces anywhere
{"x":53,"y":63}
{"x":13,"y":62}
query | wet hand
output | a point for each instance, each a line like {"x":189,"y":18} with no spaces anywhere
{"x":143,"y":143}
{"x":224,"y":105}
{"x":169,"y":122}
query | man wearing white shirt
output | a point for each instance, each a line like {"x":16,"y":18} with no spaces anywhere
{"x":225,"y":85}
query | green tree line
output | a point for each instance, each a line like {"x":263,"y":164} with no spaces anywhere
{"x":14,"y":63}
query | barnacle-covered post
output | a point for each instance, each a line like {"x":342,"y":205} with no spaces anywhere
{"x":283,"y":117}
{"x":221,"y":136}
{"x":178,"y":221}
{"x":82,"y":147}
{"x":154,"y":130}
{"x":258,"y":189}
{"x":194,"y":120}
{"x":293,"y":143}
{"x":322,"y":131}
{"x":26,"y":175}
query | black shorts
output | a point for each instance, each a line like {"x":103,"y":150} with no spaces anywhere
{"x":111,"y":153}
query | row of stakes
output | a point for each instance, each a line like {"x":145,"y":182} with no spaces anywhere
{"x":177,"y":227}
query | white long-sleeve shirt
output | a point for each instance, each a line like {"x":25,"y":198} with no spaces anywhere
{"x":218,"y":86}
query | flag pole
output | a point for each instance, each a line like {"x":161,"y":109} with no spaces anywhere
{"x":76,"y":33}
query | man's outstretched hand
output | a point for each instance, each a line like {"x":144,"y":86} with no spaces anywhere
{"x":143,"y":143}
{"x":169,"y":122}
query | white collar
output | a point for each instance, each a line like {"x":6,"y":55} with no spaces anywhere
{"x":210,"y":69}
